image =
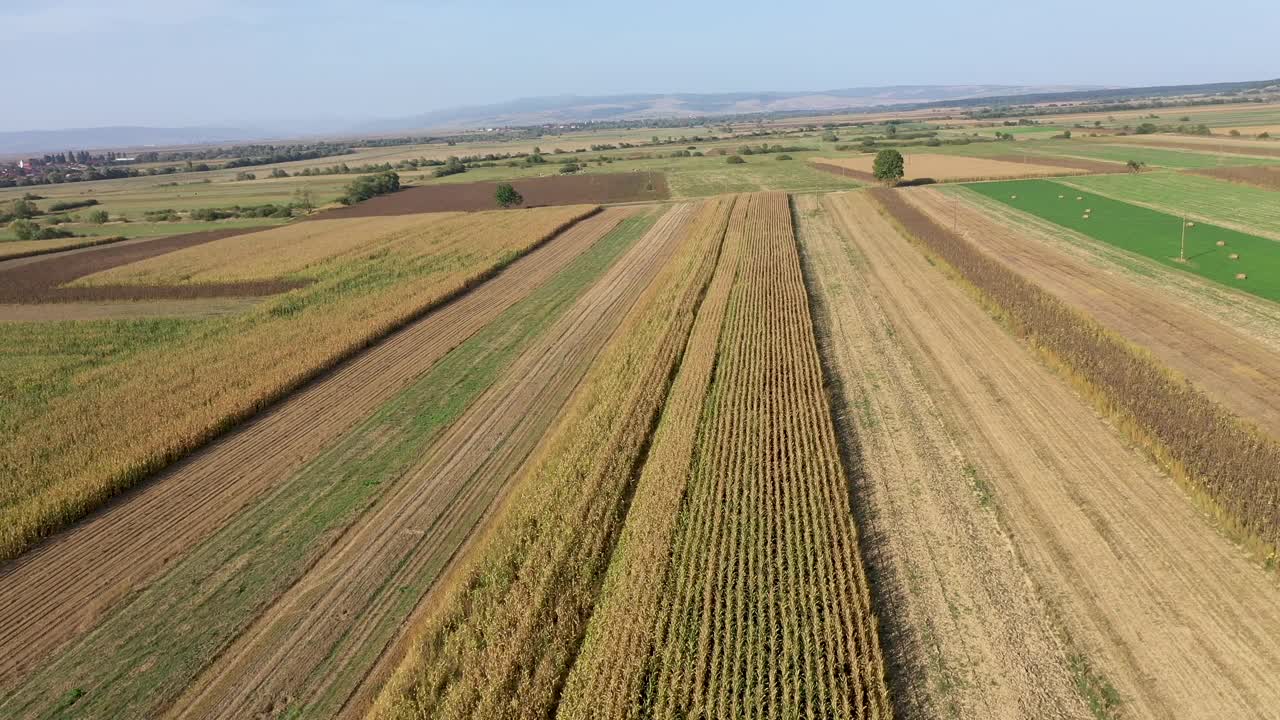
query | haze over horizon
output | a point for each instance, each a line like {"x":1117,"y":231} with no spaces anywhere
{"x":222,"y":62}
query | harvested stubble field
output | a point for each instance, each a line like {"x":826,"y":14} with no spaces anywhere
{"x":501,"y":638}
{"x":443,"y":430}
{"x":1263,"y":176}
{"x":590,"y":188}
{"x":1203,"y":343}
{"x":1150,"y":233}
{"x":1219,"y":147}
{"x":1157,"y":614}
{"x":1232,"y":467}
{"x":951,"y":168}
{"x":967,"y":634}
{"x":64,"y":453}
{"x":737,"y":589}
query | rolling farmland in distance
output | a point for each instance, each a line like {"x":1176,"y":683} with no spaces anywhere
{"x":703,"y":419}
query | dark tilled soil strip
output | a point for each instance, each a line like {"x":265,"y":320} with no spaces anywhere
{"x":537,"y":192}
{"x":39,"y":282}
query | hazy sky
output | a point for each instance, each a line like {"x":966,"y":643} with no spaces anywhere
{"x":272,"y":63}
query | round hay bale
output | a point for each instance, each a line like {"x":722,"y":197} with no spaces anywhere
{"x":1061,"y":196}
{"x":1088,"y":210}
{"x":1079,"y":197}
{"x":1234,"y":256}
{"x":1222,"y":243}
{"x":1191,"y":224}
{"x":1013,"y":197}
{"x":1086,"y":217}
{"x":1241,"y":276}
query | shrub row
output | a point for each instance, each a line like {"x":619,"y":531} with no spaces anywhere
{"x":1228,"y":462}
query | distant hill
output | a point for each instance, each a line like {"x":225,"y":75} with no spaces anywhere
{"x":104,"y":138}
{"x":577,"y":108}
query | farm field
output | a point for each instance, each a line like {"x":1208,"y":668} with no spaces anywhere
{"x":755,"y":615}
{"x":1149,"y":233}
{"x":1135,"y":580}
{"x":65,"y":453}
{"x":1206,"y":345}
{"x":1205,"y":199}
{"x":951,"y":167}
{"x":1262,"y":176}
{"x":1156,"y":157}
{"x":479,"y":406}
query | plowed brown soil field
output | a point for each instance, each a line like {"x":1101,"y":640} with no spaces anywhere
{"x":1166,"y":610}
{"x":350,"y":595}
{"x":589,"y":189}
{"x":967,"y":634}
{"x":57,"y":591}
{"x":1234,"y":368}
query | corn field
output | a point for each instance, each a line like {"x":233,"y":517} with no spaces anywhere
{"x":738,"y":589}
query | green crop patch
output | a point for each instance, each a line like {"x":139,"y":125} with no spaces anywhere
{"x":1212,"y":252}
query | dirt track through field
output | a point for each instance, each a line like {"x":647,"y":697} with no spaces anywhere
{"x":37,"y":280}
{"x":61,"y":588}
{"x":309,"y":645}
{"x":1236,"y":370}
{"x":967,"y":634}
{"x":1170,"y":613}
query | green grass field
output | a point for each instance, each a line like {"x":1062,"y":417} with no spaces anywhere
{"x":1149,"y":233}
{"x":1207,"y":198}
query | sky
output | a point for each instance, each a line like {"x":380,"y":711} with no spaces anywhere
{"x":306,"y":65}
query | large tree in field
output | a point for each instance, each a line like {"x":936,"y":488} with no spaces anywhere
{"x":508,"y":196}
{"x":889,"y":167}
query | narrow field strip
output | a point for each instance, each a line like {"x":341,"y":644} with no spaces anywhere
{"x":500,"y":640}
{"x":30,"y":248}
{"x":72,"y":452}
{"x":754,"y":602}
{"x":1170,"y":619}
{"x":59,"y":591}
{"x":360,"y":595}
{"x":967,"y":633}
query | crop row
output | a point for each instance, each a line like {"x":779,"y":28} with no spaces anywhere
{"x":1233,"y":467}
{"x":501,"y":639}
{"x":738,"y":589}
